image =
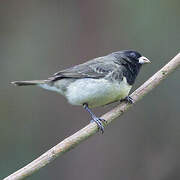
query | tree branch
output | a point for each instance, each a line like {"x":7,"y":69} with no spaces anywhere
{"x":83,"y":134}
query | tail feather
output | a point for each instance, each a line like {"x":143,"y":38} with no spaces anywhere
{"x":27,"y":83}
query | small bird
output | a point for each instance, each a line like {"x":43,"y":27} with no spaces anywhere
{"x":97,"y":82}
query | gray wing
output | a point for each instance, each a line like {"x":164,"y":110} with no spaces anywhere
{"x":97,"y":68}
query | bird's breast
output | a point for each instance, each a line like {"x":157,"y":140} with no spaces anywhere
{"x":96,"y":92}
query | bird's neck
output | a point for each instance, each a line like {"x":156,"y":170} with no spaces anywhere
{"x":132,"y":72}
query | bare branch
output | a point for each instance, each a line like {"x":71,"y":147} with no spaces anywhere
{"x":83,"y":134}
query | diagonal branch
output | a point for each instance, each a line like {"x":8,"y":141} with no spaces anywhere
{"x":83,"y":134}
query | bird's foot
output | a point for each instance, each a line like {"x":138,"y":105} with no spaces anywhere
{"x":95,"y":119}
{"x":128,"y":99}
{"x":99,"y":123}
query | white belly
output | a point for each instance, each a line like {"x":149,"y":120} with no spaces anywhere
{"x":96,"y":92}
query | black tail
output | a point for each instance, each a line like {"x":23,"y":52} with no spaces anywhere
{"x":27,"y":83}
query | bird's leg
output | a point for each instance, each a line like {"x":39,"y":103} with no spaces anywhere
{"x":95,"y":119}
{"x":127,"y":99}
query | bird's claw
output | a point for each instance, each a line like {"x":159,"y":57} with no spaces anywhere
{"x":99,"y":123}
{"x":128,"y":99}
{"x":95,"y":119}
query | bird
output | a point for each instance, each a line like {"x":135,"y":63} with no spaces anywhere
{"x":97,"y":82}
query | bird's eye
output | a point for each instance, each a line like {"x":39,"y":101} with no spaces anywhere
{"x":133,"y":55}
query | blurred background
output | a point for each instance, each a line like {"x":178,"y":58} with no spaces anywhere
{"x":40,"y":37}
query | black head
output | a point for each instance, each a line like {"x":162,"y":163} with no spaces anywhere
{"x":131,"y":56}
{"x":130,"y":63}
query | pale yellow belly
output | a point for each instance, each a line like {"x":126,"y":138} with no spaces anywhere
{"x":96,"y":92}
